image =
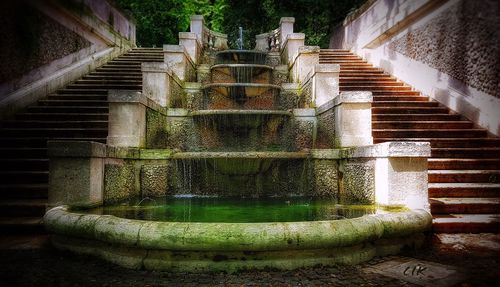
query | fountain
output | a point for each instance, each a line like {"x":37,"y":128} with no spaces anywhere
{"x":237,"y":170}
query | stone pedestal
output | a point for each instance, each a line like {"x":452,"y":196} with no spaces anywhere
{"x":189,"y":41}
{"x":307,"y":58}
{"x":291,"y":47}
{"x":196,"y":26}
{"x":194,"y":95}
{"x":390,"y":173}
{"x":286,"y":28}
{"x":203,"y":73}
{"x":76,"y":173}
{"x":261,"y":42}
{"x":353,"y":119}
{"x":175,"y":58}
{"x":305,"y":128}
{"x":156,"y":82}
{"x":325,"y":83}
{"x":127,"y":118}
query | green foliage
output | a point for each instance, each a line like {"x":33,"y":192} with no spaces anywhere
{"x":159,"y":21}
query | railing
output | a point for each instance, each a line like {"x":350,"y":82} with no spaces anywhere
{"x":269,"y":42}
{"x":213,"y":41}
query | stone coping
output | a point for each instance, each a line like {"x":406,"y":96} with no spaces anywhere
{"x":241,"y":155}
{"x":178,"y":49}
{"x":240,"y":112}
{"x":76,"y":149}
{"x":241,"y":65}
{"x":131,"y":96}
{"x":262,"y":236}
{"x":187,"y":35}
{"x":304,"y":112}
{"x":353,"y":97}
{"x":287,"y":20}
{"x":95,"y":149}
{"x":155,"y":67}
{"x":326,"y":68}
{"x":248,"y":85}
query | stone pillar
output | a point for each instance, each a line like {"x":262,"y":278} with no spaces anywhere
{"x":401,"y":174}
{"x":127,"y":118}
{"x":261,"y":42}
{"x":76,"y":176}
{"x":353,"y":119}
{"x":307,"y":58}
{"x":203,"y":73}
{"x":305,"y":128}
{"x":286,"y":28}
{"x":325,"y":83}
{"x":189,"y":42}
{"x":194,"y":95}
{"x":174,"y":57}
{"x":156,"y":82}
{"x":291,"y":48}
{"x":196,"y":26}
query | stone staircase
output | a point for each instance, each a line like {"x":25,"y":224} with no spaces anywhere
{"x":77,"y":112}
{"x":464,"y":168}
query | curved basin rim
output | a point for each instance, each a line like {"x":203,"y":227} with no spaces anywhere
{"x":240,"y":112}
{"x":242,"y":65}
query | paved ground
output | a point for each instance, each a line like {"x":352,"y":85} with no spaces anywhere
{"x":32,"y":262}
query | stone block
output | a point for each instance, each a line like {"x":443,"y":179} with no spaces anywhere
{"x":119,"y":182}
{"x":325,"y":178}
{"x":156,"y":82}
{"x":325,"y":83}
{"x":291,"y":47}
{"x":174,"y":57}
{"x":353,"y":119}
{"x":357,"y":181}
{"x":127,"y":119}
{"x":305,"y":125}
{"x":189,"y":41}
{"x":305,"y":59}
{"x":286,"y":28}
{"x":76,"y":178}
{"x":154,"y":180}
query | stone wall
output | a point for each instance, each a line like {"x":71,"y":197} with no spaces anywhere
{"x":448,"y":50}
{"x":47,"y":44}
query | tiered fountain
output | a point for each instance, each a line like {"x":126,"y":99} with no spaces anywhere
{"x":238,"y":170}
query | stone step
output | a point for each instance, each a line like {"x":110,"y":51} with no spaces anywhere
{"x":376,"y":88}
{"x":54,"y":124}
{"x":139,"y":59}
{"x":442,"y":205}
{"x":345,"y":61}
{"x":23,"y":176}
{"x":124,"y":68}
{"x":68,"y":102}
{"x":409,"y":110}
{"x":22,"y":225}
{"x":117,"y":73}
{"x":110,"y":86}
{"x":78,"y":97}
{"x":41,"y":141}
{"x":466,"y":223}
{"x":22,"y":207}
{"x":109,"y":77}
{"x":462,"y":163}
{"x":421,"y":124}
{"x":464,"y":176}
{"x":353,"y":72}
{"x":461,"y":189}
{"x":449,"y":142}
{"x":110,"y":81}
{"x":69,"y":109}
{"x":392,"y":93}
{"x":23,"y":152}
{"x":97,"y":91}
{"x":481,"y":152}
{"x":368,"y":80}
{"x":24,"y":164}
{"x":381,"y":104}
{"x":398,"y":98}
{"x":54,"y":132}
{"x":388,"y":116}
{"x":363,"y":82}
{"x":24,"y":190}
{"x":427,"y":133}
{"x":55,"y":114}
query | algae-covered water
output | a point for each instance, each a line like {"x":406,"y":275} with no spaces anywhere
{"x":238,"y":210}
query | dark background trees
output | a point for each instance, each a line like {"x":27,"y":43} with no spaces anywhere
{"x":159,"y":21}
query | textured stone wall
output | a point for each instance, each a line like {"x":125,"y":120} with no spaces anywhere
{"x":29,"y":39}
{"x":463,"y":42}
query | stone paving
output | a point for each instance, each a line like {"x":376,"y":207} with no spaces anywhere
{"x":32,"y":262}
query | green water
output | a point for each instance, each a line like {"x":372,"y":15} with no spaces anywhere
{"x":212,"y":209}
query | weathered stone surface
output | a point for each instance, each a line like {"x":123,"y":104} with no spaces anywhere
{"x":119,"y":182}
{"x":357,"y":182}
{"x":325,"y":178}
{"x":154,"y":179}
